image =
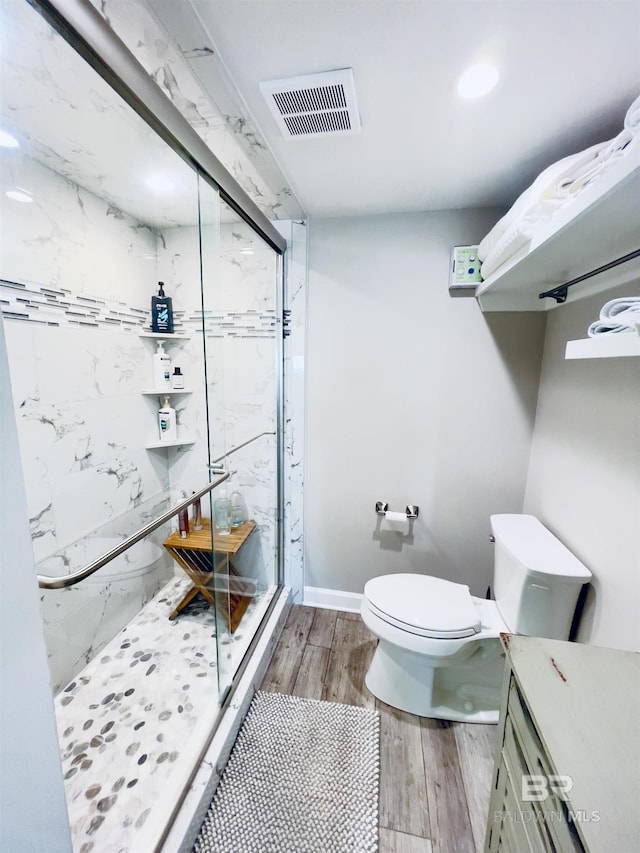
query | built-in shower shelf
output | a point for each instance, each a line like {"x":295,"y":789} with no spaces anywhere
{"x":166,"y":392}
{"x":605,"y":346}
{"x":179,"y":442}
{"x":160,"y":336}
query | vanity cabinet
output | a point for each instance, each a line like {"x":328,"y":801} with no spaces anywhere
{"x":567,"y":769}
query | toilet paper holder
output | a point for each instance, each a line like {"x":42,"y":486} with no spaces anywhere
{"x":412,"y":510}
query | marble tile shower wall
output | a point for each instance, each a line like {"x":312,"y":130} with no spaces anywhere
{"x":76,"y":280}
{"x":294,"y":371}
{"x":76,"y":364}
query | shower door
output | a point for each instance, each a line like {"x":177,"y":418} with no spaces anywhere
{"x":241,"y":304}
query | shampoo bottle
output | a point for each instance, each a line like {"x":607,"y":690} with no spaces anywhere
{"x":161,"y":369}
{"x":161,"y":311}
{"x":167,"y":422}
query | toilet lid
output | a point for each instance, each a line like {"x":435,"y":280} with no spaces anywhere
{"x":423,"y":605}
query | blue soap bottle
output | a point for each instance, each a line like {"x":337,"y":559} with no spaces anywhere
{"x":161,"y":312}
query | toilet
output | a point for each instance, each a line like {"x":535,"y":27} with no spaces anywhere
{"x":439,"y":652}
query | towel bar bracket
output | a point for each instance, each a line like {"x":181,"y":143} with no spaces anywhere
{"x":558,"y":293}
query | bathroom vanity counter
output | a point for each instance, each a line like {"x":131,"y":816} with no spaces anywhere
{"x":567,"y":773}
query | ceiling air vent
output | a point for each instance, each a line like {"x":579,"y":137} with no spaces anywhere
{"x":314,"y":105}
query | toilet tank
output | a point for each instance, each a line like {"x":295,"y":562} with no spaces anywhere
{"x":536,"y":579}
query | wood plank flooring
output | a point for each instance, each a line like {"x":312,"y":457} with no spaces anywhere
{"x":435,"y":775}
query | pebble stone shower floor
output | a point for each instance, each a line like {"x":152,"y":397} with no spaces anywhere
{"x":124,"y":719}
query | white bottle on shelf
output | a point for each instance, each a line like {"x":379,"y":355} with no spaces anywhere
{"x":177,"y":379}
{"x":161,"y":369}
{"x":167,"y":422}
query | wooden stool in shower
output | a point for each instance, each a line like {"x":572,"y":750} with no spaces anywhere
{"x":194,"y":556}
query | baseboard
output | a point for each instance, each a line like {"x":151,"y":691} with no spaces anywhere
{"x":332,"y":599}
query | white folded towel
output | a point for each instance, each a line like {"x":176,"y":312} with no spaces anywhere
{"x":562,"y":181}
{"x":621,"y":145}
{"x":553,"y":183}
{"x":632,"y":118}
{"x":599,"y":327}
{"x":616,"y":316}
{"x":616,"y":307}
{"x":517,"y":236}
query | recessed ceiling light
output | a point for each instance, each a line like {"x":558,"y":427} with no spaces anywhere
{"x":477,"y":80}
{"x":7,"y":140}
{"x":20,"y":194}
{"x":246,"y":251}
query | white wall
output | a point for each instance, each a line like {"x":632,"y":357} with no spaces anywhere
{"x":584,"y":476}
{"x":412,"y":397}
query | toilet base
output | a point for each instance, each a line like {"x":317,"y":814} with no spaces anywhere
{"x":467,"y":693}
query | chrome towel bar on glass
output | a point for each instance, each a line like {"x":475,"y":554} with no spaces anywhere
{"x":45,"y":582}
{"x":215,"y":468}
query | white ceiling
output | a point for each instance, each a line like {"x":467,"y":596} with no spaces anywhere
{"x":569,"y":70}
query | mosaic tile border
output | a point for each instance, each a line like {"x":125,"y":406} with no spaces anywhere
{"x":61,"y":307}
{"x":252,"y":323}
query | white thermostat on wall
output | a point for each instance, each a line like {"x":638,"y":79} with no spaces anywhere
{"x":464,"y":273}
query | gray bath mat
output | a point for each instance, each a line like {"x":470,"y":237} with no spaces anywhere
{"x":303,"y":777}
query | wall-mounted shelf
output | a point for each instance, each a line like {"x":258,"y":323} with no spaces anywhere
{"x":166,"y":392}
{"x":156,"y":445}
{"x":602,"y":223}
{"x":605,"y":346}
{"x":158,"y":336}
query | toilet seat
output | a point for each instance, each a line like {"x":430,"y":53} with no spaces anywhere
{"x":424,"y":605}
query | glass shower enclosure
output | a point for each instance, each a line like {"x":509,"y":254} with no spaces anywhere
{"x":157,"y":549}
